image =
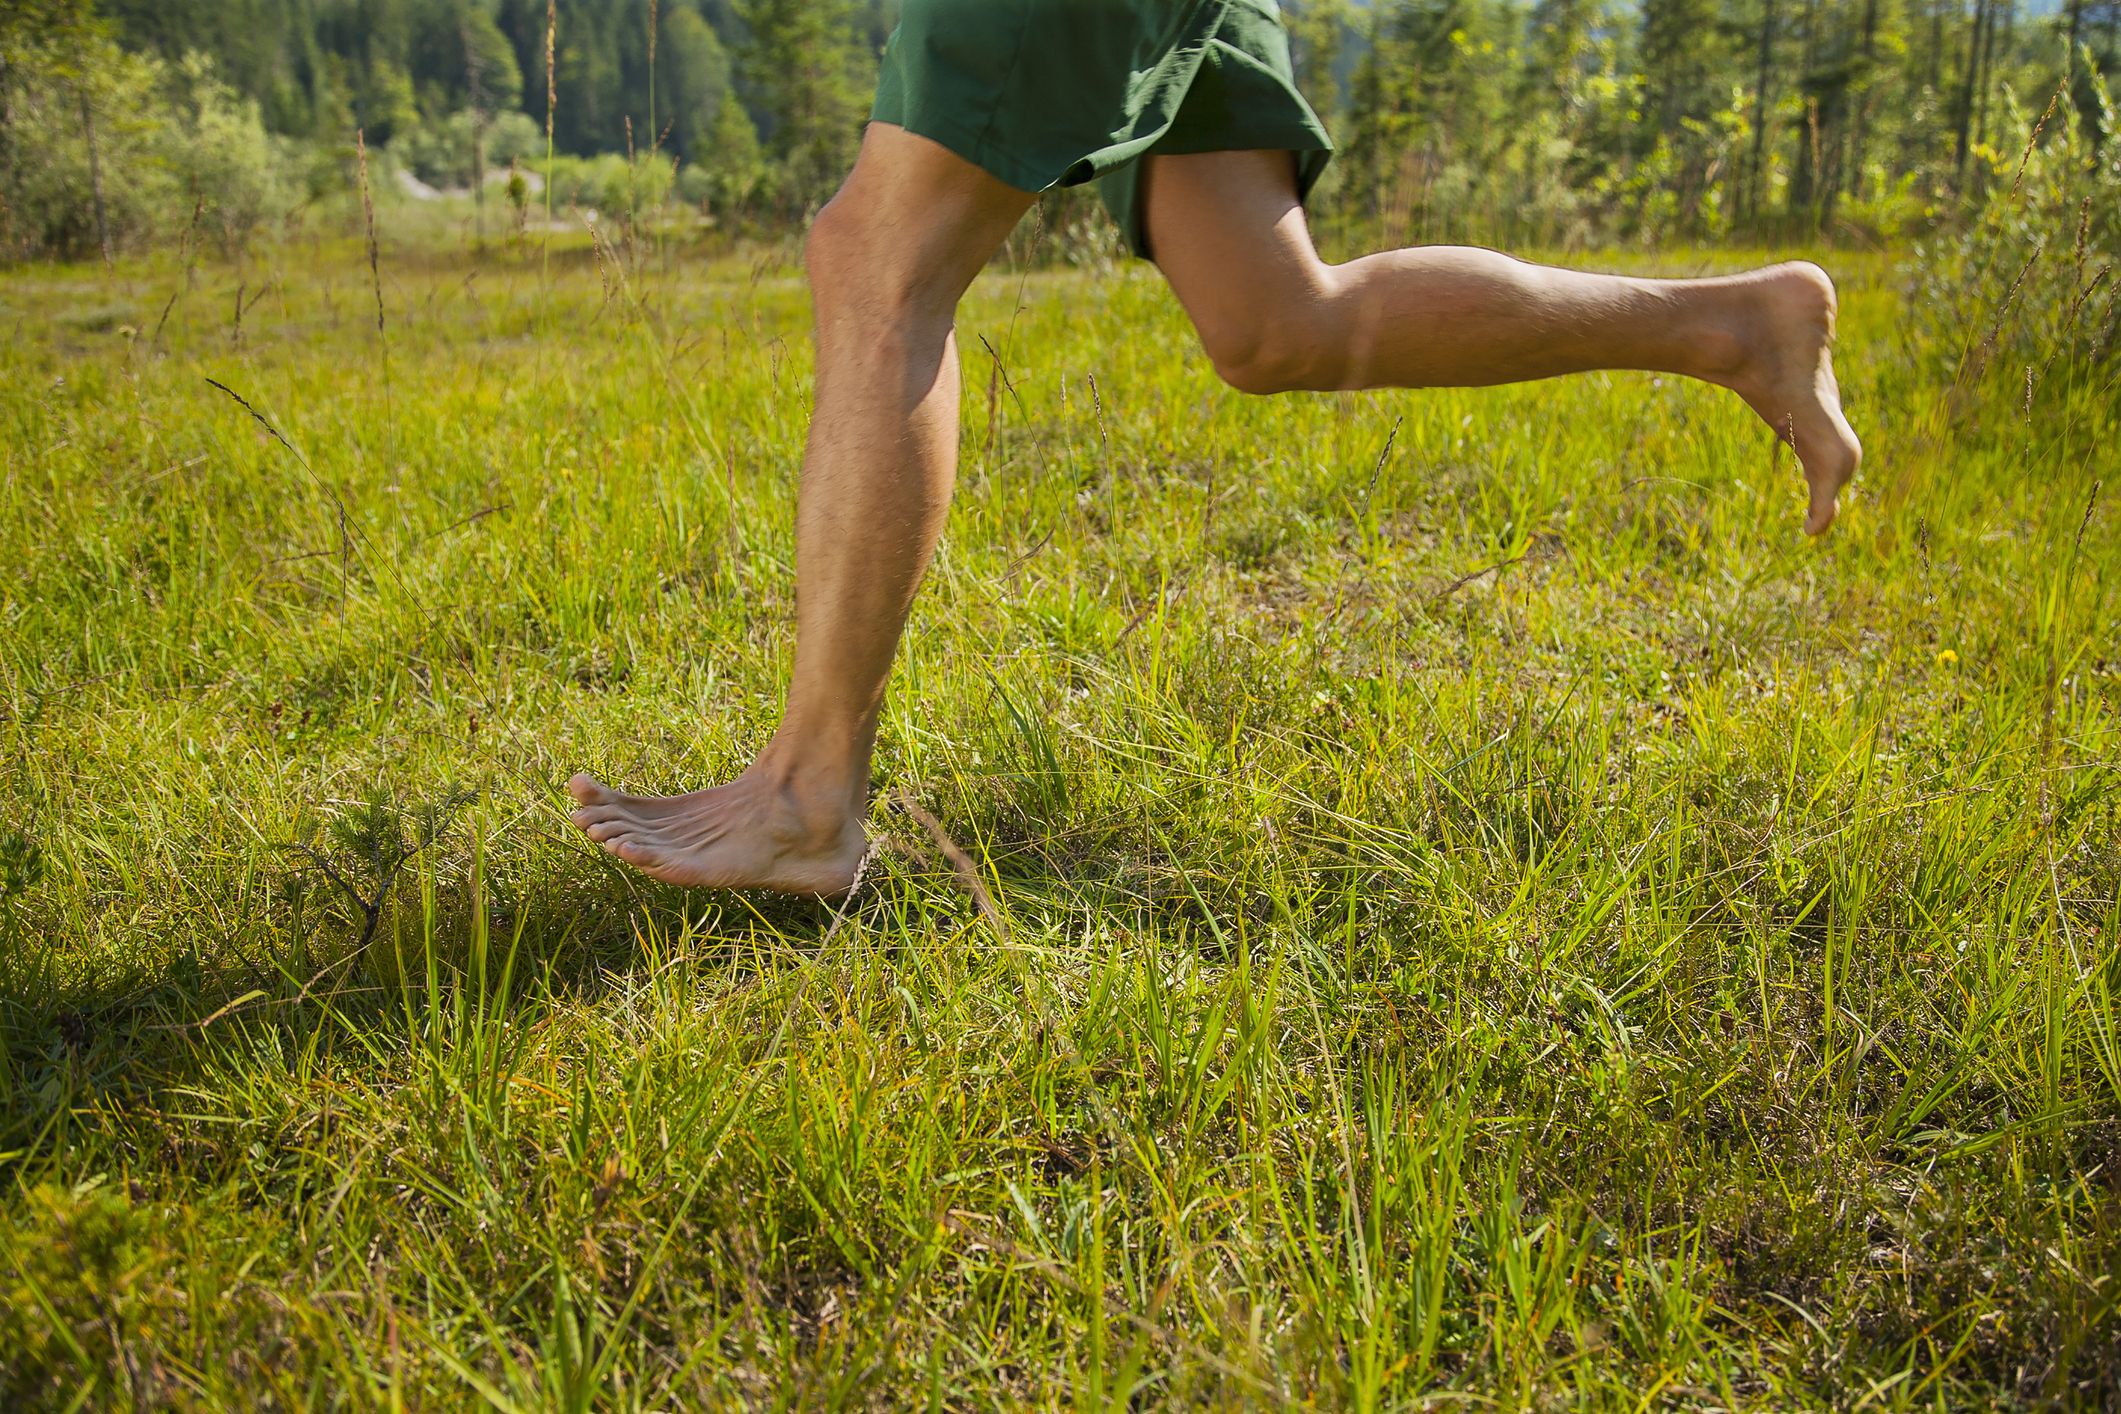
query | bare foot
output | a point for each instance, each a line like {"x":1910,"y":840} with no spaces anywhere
{"x":758,"y":832}
{"x":1789,"y":380}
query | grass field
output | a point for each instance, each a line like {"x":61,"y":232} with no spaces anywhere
{"x":1466,"y":906}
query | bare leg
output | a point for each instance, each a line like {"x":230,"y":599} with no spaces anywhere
{"x":889,"y":258}
{"x":1230,"y":237}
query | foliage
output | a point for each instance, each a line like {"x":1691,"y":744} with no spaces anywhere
{"x":220,"y":156}
{"x":57,"y":91}
{"x":727,"y":184}
{"x":813,"y":84}
{"x":609,"y":185}
{"x":105,"y":145}
{"x":1687,"y":118}
{"x":1505,"y":121}
{"x":2029,"y":288}
{"x":449,"y":153}
{"x":694,"y":90}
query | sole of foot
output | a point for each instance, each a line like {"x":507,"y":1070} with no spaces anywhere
{"x":754,"y":833}
{"x":1790,"y":381}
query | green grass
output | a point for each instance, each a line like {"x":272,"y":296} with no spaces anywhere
{"x":1675,"y":968}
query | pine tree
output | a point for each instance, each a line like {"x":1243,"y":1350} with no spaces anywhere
{"x":692,"y":82}
{"x":805,"y":58}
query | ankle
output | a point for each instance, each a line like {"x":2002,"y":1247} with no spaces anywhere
{"x":824,"y":791}
{"x":1722,"y":343}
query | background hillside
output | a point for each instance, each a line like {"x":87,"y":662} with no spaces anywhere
{"x":1553,"y":121}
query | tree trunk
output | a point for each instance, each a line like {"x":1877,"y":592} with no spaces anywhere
{"x":1986,"y":70}
{"x":1761,"y":80}
{"x":7,"y":156}
{"x":95,"y":172}
{"x":1964,"y":116}
{"x":1859,"y":139}
{"x":1988,"y":61}
{"x":475,"y":86}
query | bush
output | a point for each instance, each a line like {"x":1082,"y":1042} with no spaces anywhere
{"x":170,"y":146}
{"x":731,"y":168}
{"x":608,"y":184}
{"x":441,"y":153}
{"x":57,"y":103}
{"x":222,"y":156}
{"x":2025,"y":290}
{"x":575,"y":182}
{"x":636,"y":189}
{"x":695,"y":184}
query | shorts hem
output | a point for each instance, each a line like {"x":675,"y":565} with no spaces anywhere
{"x":1006,"y":168}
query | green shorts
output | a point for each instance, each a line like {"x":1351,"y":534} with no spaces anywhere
{"x":1044,"y":93}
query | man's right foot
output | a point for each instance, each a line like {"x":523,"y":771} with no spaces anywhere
{"x":754,"y":833}
{"x":1788,"y":380}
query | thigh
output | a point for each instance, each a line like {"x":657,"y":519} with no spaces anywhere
{"x":914,"y":208}
{"x":1227,"y":230}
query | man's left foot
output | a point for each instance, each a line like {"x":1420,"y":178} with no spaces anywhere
{"x":761,"y":831}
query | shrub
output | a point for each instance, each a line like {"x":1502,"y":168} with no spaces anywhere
{"x":222,"y":156}
{"x":731,"y":165}
{"x":2025,"y":290}
{"x":575,"y":182}
{"x":89,"y":124}
{"x":637,"y":189}
{"x":608,"y":184}
{"x":62,"y":107}
{"x":695,"y":184}
{"x":441,"y":153}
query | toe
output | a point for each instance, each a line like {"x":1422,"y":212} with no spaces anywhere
{"x":588,"y":790}
{"x":639,"y":855}
{"x":604,"y":831}
{"x":1830,"y":482}
{"x":617,"y":849}
{"x":1826,"y":502}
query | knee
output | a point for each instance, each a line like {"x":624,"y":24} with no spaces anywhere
{"x":1277,"y":347}
{"x":1271,"y":362}
{"x":860,"y":269}
{"x":838,"y":248}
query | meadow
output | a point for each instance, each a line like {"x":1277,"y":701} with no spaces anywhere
{"x":1392,"y":901}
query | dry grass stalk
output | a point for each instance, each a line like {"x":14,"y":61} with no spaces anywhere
{"x":552,"y":108}
{"x":188,"y":253}
{"x":368,"y":214}
{"x":375,"y":278}
{"x":961,"y":864}
{"x":2033,"y":141}
{"x":338,"y":502}
{"x":633,"y":196}
{"x":1104,"y":435}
